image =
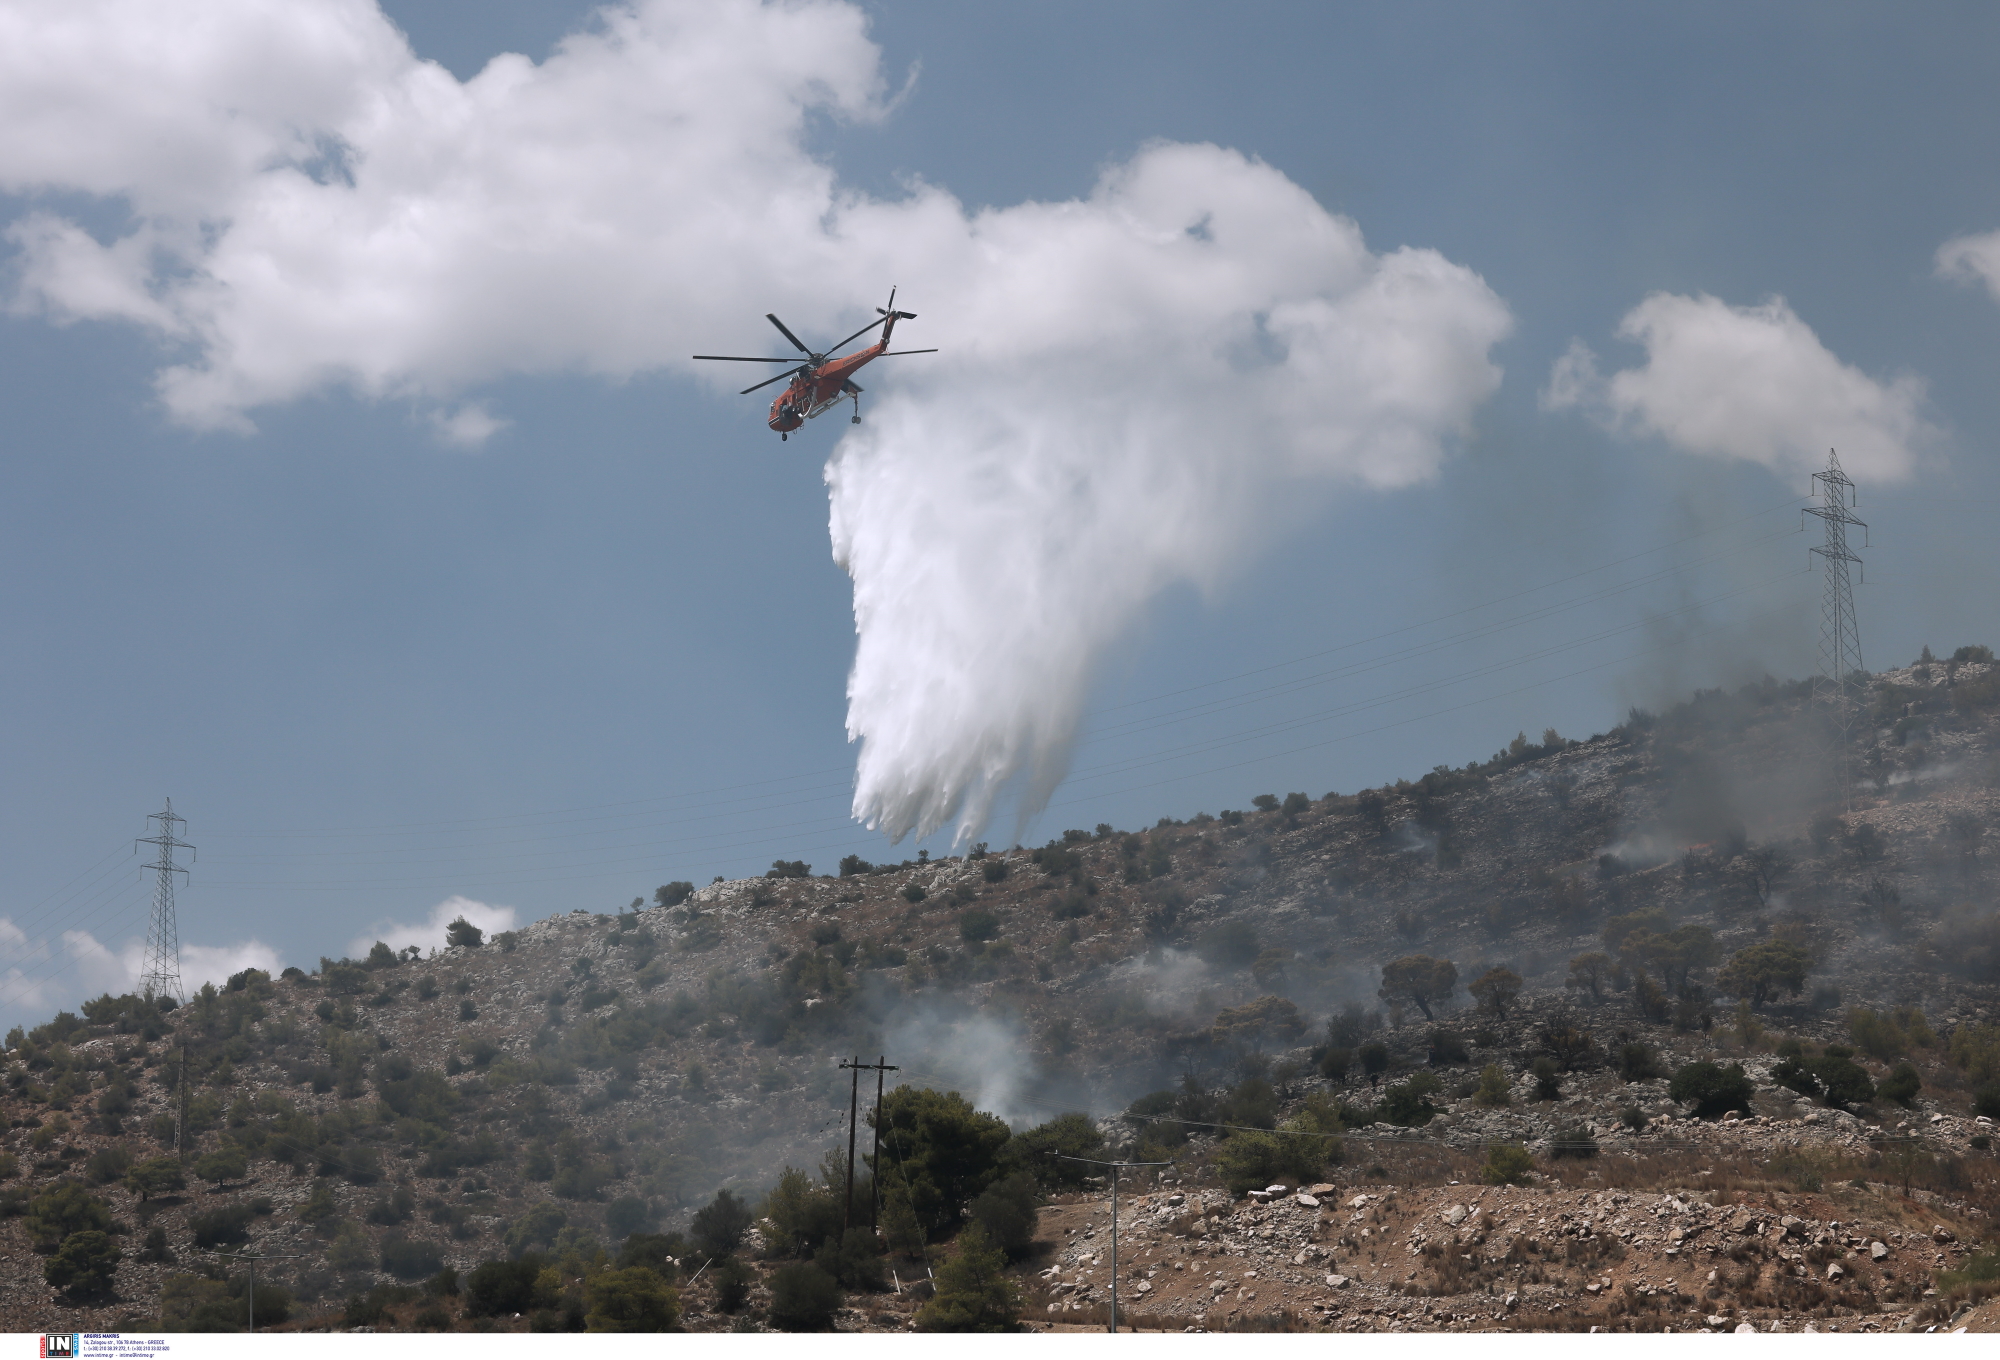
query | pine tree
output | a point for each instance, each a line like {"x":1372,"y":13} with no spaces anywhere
{"x":973,"y":1291}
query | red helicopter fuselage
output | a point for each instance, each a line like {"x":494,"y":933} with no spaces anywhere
{"x":815,"y":391}
{"x":822,"y":381}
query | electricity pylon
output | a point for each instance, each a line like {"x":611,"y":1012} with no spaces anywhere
{"x":163,"y":943}
{"x":1839,"y":635}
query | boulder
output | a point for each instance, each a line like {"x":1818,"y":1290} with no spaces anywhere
{"x":1835,"y":1270}
{"x":1336,"y":1282}
{"x":1941,"y":1234}
{"x":1357,"y":1202}
{"x":1311,"y":1202}
{"x":1877,"y":1250}
{"x":1455,"y":1215}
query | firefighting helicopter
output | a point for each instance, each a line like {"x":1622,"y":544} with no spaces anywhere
{"x":822,"y":381}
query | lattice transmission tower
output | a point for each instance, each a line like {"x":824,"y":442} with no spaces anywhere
{"x":1839,"y":635}
{"x":163,"y":943}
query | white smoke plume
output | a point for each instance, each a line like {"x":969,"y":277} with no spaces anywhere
{"x":39,"y":975}
{"x":1136,"y":388}
{"x":430,"y":933}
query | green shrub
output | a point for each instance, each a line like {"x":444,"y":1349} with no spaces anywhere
{"x":1901,"y":1085}
{"x":85,"y":1264}
{"x":631,"y":1299}
{"x":973,"y":1292}
{"x":978,"y":925}
{"x":854,"y":1259}
{"x":63,"y":1209}
{"x":804,"y":1298}
{"x":1712,"y":1089}
{"x":1006,"y":1210}
{"x":733,"y":1280}
{"x":720,"y":1224}
{"x":410,"y":1258}
{"x":230,"y":1223}
{"x":1493,"y":1086}
{"x":1408,"y":1102}
{"x":1575,"y":1141}
{"x":501,"y":1288}
{"x":1507,"y":1164}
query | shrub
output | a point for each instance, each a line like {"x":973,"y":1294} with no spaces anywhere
{"x":1986,"y":1101}
{"x":1493,"y":1086}
{"x":1447,"y":1047}
{"x":230,"y":1223}
{"x":1334,"y":1062}
{"x":804,"y":1298}
{"x":720,"y":1224}
{"x":633,"y":1299}
{"x":978,"y":925}
{"x":993,"y":870}
{"x":854,"y":1259}
{"x":1636,"y":1062}
{"x":1006,"y":1210}
{"x":853,"y":865}
{"x":1408,"y":1101}
{"x":733,"y":1280}
{"x":788,"y":868}
{"x":1764,"y":971}
{"x":537,"y":1227}
{"x":973,"y":1293}
{"x":1039,"y":1151}
{"x":410,"y":1258}
{"x":626,"y":1215}
{"x":499,"y":1288}
{"x":1548,"y":1078}
{"x":673,"y":894}
{"x":108,"y":1163}
{"x":1374,"y":1058}
{"x":914,"y":894}
{"x":1901,"y":1085}
{"x":64,"y":1209}
{"x":85,"y":1264}
{"x":1845,"y":1081}
{"x":224,"y":1164}
{"x":1712,"y":1089}
{"x":1507,"y":1164}
{"x":1576,"y":1141}
{"x":1633,"y":1118}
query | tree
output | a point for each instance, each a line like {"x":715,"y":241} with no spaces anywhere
{"x":1845,"y":1081}
{"x":1374,"y":1057}
{"x":463,"y":932}
{"x":801,"y":1211}
{"x":1765,"y":970}
{"x":1495,"y":990}
{"x":1256,"y":1022}
{"x":804,"y":1298}
{"x":1041,"y":1151}
{"x":942,"y":1149}
{"x":1764,"y":867}
{"x":1006,"y":1210}
{"x":973,"y":1291}
{"x":634,"y":1299}
{"x":1420,"y":980}
{"x":155,"y":1176}
{"x":497,"y":1288}
{"x":1493,"y":1086}
{"x":1901,"y":1085}
{"x":217,"y":1227}
{"x":854,"y":1259}
{"x":224,"y":1164}
{"x":673,"y":894}
{"x":1591,"y":972}
{"x":85,"y":1264}
{"x":720,"y":1224}
{"x":1712,"y":1089}
{"x":64,"y":1209}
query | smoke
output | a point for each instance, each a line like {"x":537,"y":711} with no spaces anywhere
{"x":983,"y":1057}
{"x":430,"y":933}
{"x":1137,"y":389}
{"x":42,"y":974}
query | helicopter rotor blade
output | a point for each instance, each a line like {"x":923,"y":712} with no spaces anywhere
{"x":889,"y":352}
{"x":744,"y":359}
{"x":857,"y":335}
{"x":772,"y":317}
{"x":768,"y":381}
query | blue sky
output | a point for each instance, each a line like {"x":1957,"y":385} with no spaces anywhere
{"x":609,"y":645}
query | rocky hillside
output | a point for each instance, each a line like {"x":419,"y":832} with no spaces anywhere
{"x":593,"y":1075}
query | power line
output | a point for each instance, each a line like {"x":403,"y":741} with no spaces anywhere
{"x":162,"y":974}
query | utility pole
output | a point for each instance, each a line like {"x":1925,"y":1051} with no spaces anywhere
{"x":250,"y":1295}
{"x":181,"y":1103}
{"x":1839,"y":635}
{"x":857,"y":1067}
{"x":882,"y":1069}
{"x":1115,"y":1167}
{"x":162,"y":976}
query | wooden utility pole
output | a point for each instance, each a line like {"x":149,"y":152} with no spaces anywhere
{"x":857,"y":1067}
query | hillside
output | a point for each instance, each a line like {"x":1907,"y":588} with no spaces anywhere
{"x":592,"y":1075}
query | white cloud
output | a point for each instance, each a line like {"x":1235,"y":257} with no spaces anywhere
{"x":468,"y":427}
{"x":1752,"y":383}
{"x":1972,"y":260}
{"x":1137,"y":389}
{"x":43,"y":976}
{"x":429,"y":934}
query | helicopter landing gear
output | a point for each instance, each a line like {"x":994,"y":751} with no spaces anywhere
{"x":856,"y":419}
{"x":783,"y":437}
